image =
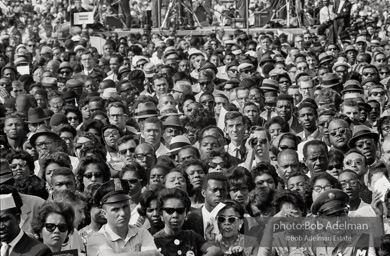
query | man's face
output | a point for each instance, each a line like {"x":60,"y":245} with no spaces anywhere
{"x":208,"y":102}
{"x":117,"y":117}
{"x":206,"y":84}
{"x":262,"y":146}
{"x":252,"y":112}
{"x":233,"y":72}
{"x":380,"y":59}
{"x":378,"y":94}
{"x":299,"y":184}
{"x":87,"y":61}
{"x":265,"y":43}
{"x":339,"y":133}
{"x":166,"y":100}
{"x":342,"y":72}
{"x":117,"y":214}
{"x":235,"y":128}
{"x":126,"y":151}
{"x":366,"y":145}
{"x":369,"y":73}
{"x":297,"y":96}
{"x":298,"y":42}
{"x":61,"y":183}
{"x":306,"y":89}
{"x":219,"y":103}
{"x":350,"y":184}
{"x":215,"y":192}
{"x":114,"y":65}
{"x":387,"y":50}
{"x":95,"y":106}
{"x":107,"y":50}
{"x":9,"y":227}
{"x":13,"y":128}
{"x":287,"y":163}
{"x":186,"y":154}
{"x":17,"y":90}
{"x":170,"y":132}
{"x":145,"y":156}
{"x":307,"y":118}
{"x":316,"y":159}
{"x":361,"y":46}
{"x":352,"y":112}
{"x":160,"y":86}
{"x":208,"y":145}
{"x":152,"y":133}
{"x":173,"y":63}
{"x":242,"y":97}
{"x":355,"y":162}
{"x":284,"y":109}
{"x":375,"y":111}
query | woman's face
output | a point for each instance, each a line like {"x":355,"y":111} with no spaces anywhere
{"x":284,"y":83}
{"x":92,"y":175}
{"x":184,"y":66}
{"x":239,"y":192}
{"x":175,"y":180}
{"x":196,"y":174}
{"x":79,"y":145}
{"x":217,"y":164}
{"x":30,"y":150}
{"x":79,"y":213}
{"x":97,"y":215}
{"x":355,"y":162}
{"x":185,"y":106}
{"x":55,"y":238}
{"x":319,"y":187}
{"x":275,"y":129}
{"x":20,"y":169}
{"x":49,"y":171}
{"x":111,"y":136}
{"x":173,"y":220}
{"x":156,"y":176}
{"x":153,"y":215}
{"x":229,"y":223}
{"x":134,"y":182}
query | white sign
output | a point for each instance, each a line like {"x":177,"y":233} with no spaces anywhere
{"x":81,"y":18}
{"x":23,"y":70}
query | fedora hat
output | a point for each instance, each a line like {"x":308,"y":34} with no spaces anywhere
{"x":146,"y":110}
{"x":64,"y":65}
{"x":5,"y":171}
{"x":330,"y":80}
{"x":352,"y":86}
{"x":43,"y":130}
{"x":324,"y":58}
{"x":173,"y":121}
{"x":360,"y":131}
{"x":361,"y":102}
{"x":177,"y":143}
{"x":150,"y":70}
{"x":269,"y":85}
{"x":36,"y":115}
{"x":168,"y":110}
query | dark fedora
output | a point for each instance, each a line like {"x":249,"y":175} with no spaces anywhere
{"x":173,"y":121}
{"x":360,"y":131}
{"x":330,"y":80}
{"x":43,"y":131}
{"x":146,"y":110}
{"x":36,"y":115}
{"x":325,"y":58}
{"x":269,"y":85}
{"x":352,"y":86}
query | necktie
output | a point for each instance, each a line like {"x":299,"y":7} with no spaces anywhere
{"x":237,"y":153}
{"x":5,"y":249}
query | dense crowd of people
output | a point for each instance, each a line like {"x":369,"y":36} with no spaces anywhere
{"x":188,"y":145}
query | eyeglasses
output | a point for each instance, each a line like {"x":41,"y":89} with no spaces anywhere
{"x":381,"y":60}
{"x":204,"y":83}
{"x":336,"y":166}
{"x":319,"y":188}
{"x":214,"y":165}
{"x":361,"y":143}
{"x":256,"y":141}
{"x":112,"y":133}
{"x":368,"y":74}
{"x":72,"y":118}
{"x":170,"y":211}
{"x":231,"y":220}
{"x":283,"y":82}
{"x":357,"y":162}
{"x":210,"y":102}
{"x":78,"y":146}
{"x":375,"y":94}
{"x":124,"y":151}
{"x":340,"y":131}
{"x":91,"y":174}
{"x":235,"y":71}
{"x":65,"y":72}
{"x":134,"y":181}
{"x":51,"y":227}
{"x":384,"y":73}
{"x":352,"y":183}
{"x":21,"y":164}
{"x":142,"y":156}
{"x":246,"y":71}
{"x":46,"y":143}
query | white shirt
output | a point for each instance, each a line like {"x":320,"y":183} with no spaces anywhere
{"x":326,"y":13}
{"x":341,"y":6}
{"x":232,"y":150}
{"x":210,"y":217}
{"x":162,"y":150}
{"x":12,"y":244}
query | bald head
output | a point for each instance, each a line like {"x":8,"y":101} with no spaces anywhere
{"x":145,"y":155}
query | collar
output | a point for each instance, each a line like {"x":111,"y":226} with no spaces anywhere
{"x":290,"y":121}
{"x":14,"y":242}
{"x":114,"y":237}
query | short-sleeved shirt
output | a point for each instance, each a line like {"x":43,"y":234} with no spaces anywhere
{"x":137,"y":240}
{"x":181,"y":244}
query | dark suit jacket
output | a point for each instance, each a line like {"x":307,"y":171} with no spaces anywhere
{"x":28,"y":246}
{"x":345,"y":15}
{"x":195,"y":221}
{"x":295,"y":127}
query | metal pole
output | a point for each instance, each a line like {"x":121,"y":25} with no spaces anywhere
{"x":159,"y":13}
{"x":70,"y":18}
{"x":247,"y":16}
{"x":288,"y":12}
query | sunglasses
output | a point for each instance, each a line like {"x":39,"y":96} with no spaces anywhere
{"x":124,"y":151}
{"x":204,"y":83}
{"x":368,"y":74}
{"x":134,"y":181}
{"x":246,"y":71}
{"x":20,"y":164}
{"x":65,"y":72}
{"x":256,"y":141}
{"x":214,"y":165}
{"x":340,"y":131}
{"x":384,"y":73}
{"x":378,"y":93}
{"x":142,"y":156}
{"x":51,"y":227}
{"x":96,"y":175}
{"x":170,"y":211}
{"x":73,"y":118}
{"x":231,"y":220}
{"x":336,"y":166}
